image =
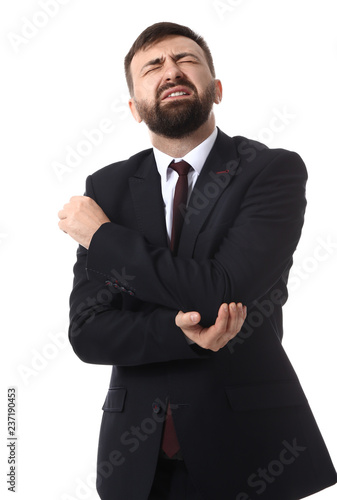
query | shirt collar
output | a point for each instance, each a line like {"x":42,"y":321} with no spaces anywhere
{"x":196,"y":158}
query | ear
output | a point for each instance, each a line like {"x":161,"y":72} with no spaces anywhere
{"x":218,"y":91}
{"x":133,"y":108}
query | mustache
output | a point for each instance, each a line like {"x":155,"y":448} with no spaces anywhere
{"x":183,"y":82}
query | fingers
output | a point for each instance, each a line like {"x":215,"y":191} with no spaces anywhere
{"x":228,"y":324}
{"x":237,"y":316}
{"x":187,"y":320}
{"x":76,"y":203}
{"x":62,"y":214}
{"x":221,"y":321}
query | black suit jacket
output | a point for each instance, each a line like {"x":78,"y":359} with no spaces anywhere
{"x":242,"y":419}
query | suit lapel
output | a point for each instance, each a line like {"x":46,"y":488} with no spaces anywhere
{"x":219,"y":170}
{"x":145,"y":187}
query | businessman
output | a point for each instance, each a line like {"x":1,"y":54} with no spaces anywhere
{"x":180,"y":279}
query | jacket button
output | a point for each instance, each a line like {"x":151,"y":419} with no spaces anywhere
{"x":156,"y":407}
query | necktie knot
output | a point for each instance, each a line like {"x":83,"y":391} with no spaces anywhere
{"x":181,"y":167}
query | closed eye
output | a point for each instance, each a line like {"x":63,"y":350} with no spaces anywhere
{"x":152,"y":69}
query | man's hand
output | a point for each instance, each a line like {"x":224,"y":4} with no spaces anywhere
{"x":80,"y":218}
{"x":228,"y":323}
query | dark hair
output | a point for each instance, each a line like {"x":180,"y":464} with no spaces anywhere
{"x":157,"y":32}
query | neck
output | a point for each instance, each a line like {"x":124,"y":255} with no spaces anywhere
{"x":178,"y":148}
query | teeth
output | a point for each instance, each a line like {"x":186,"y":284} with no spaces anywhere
{"x":177,"y":93}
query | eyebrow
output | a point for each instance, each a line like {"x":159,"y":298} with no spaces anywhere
{"x":176,"y":57}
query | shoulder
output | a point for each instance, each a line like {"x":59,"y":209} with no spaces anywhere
{"x":256,"y":156}
{"x":252,"y":149}
{"x":124,"y":168}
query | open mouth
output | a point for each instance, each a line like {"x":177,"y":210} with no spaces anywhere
{"x":177,"y":93}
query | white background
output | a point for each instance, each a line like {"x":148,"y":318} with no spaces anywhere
{"x":65,"y":77}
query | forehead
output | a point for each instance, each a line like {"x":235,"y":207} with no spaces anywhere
{"x":169,"y":46}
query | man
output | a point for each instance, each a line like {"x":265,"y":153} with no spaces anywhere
{"x":169,"y":237}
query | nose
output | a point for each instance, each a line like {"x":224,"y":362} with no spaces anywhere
{"x":172,"y":71}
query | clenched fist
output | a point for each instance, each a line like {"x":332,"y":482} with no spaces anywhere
{"x":80,"y":218}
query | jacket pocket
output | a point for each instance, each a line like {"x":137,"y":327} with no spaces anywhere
{"x":266,"y":396}
{"x":114,"y":401}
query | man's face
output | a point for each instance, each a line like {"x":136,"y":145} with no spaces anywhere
{"x":174,"y":89}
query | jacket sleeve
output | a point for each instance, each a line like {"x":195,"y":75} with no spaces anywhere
{"x":102,"y":332}
{"x":250,"y":259}
{"x":106,"y":329}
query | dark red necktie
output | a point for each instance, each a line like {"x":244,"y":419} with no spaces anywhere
{"x":170,"y":443}
{"x":179,"y":202}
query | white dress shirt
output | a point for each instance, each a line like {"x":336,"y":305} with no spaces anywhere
{"x":169,"y":177}
{"x":196,"y":158}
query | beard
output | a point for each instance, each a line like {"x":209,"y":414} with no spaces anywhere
{"x":181,"y":117}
